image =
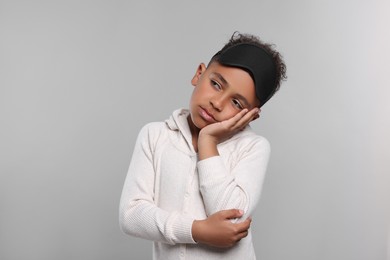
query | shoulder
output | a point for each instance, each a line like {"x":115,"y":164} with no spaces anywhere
{"x":152,"y":131}
{"x":153,"y":127}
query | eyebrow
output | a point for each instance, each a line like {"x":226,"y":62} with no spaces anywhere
{"x":223,"y":80}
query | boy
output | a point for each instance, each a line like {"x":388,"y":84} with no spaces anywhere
{"x":195,"y":179}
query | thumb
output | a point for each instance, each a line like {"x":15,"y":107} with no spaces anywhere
{"x":233,"y":213}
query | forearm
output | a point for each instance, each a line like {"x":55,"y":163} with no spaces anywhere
{"x":145,"y":220}
{"x":219,"y":187}
{"x":239,"y":187}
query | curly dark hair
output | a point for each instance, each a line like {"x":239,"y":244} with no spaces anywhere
{"x":238,"y":38}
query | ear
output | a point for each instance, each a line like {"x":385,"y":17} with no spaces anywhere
{"x":199,"y":71}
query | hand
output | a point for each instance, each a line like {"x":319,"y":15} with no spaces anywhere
{"x":223,"y":130}
{"x":218,"y":230}
{"x":216,"y":133}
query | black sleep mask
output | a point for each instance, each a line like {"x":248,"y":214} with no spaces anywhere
{"x":257,"y":62}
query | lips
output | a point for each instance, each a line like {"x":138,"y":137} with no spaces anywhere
{"x":206,"y":115}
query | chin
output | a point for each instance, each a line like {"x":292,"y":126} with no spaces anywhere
{"x":197,"y":122}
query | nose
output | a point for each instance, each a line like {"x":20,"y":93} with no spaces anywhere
{"x":217,"y":102}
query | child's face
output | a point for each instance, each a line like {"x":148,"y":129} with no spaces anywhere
{"x":220,"y":93}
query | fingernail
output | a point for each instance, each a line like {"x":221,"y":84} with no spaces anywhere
{"x":241,"y":212}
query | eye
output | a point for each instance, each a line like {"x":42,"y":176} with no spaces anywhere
{"x":216,"y":85}
{"x":237,"y":104}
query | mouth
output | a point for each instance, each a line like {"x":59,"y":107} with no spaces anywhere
{"x":207,"y":116}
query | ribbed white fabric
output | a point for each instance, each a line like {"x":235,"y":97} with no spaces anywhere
{"x":167,"y":188}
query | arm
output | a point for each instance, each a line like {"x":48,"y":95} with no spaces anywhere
{"x":138,"y":215}
{"x":224,"y":188}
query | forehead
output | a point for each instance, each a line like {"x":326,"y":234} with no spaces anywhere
{"x":238,"y":81}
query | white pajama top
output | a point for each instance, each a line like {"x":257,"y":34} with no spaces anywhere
{"x":167,"y":188}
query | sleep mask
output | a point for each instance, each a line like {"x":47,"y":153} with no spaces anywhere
{"x":257,"y":62}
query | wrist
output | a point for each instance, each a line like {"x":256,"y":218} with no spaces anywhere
{"x":196,"y":230}
{"x":207,"y":139}
{"x":207,"y":147}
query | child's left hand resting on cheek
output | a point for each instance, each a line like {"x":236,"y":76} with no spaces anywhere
{"x":210,"y":136}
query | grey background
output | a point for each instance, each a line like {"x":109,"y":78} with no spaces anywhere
{"x":78,"y":79}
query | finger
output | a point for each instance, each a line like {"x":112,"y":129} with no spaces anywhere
{"x":247,"y":118}
{"x":244,"y":226}
{"x":242,"y":119}
{"x":242,"y":235}
{"x":251,"y":114}
{"x":232,"y":213}
{"x":238,"y":121}
{"x":235,"y":119}
{"x":256,"y":117}
{"x":254,"y":113}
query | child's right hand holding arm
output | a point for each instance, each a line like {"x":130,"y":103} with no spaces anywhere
{"x":218,"y":230}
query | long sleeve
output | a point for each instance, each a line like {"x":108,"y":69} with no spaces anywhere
{"x":138,"y":214}
{"x":167,"y":188}
{"x":238,"y":186}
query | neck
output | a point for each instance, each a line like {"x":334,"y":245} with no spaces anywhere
{"x":194,"y":133}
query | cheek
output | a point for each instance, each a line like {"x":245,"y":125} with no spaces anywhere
{"x":194,"y":97}
{"x":199,"y":94}
{"x":229,"y":112}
